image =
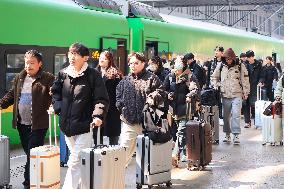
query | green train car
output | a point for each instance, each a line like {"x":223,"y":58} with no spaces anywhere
{"x":50,"y":26}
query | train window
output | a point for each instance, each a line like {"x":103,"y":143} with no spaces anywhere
{"x":15,"y":61}
{"x":9,"y":79}
{"x":60,"y":61}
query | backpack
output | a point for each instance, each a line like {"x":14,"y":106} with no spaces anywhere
{"x":202,"y":75}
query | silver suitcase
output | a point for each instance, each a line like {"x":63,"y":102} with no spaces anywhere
{"x":211,"y":115}
{"x":272,"y":130}
{"x":103,"y":167}
{"x":153,"y":162}
{"x":4,"y":159}
{"x":259,"y":107}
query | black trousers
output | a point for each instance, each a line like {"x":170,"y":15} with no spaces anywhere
{"x":30,"y":139}
{"x":248,"y":110}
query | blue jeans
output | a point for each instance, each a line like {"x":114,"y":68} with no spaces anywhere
{"x":180,"y":144}
{"x":232,"y":115}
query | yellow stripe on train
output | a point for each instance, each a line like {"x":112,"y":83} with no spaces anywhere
{"x":7,"y":110}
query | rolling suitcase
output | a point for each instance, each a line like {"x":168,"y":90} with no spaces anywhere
{"x":4,"y":159}
{"x":259,"y":107}
{"x":103,"y":167}
{"x":198,"y":144}
{"x":272,"y":130}
{"x":153,"y":162}
{"x":64,"y":151}
{"x":45,"y":163}
{"x":210,"y":114}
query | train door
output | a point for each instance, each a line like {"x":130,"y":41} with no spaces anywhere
{"x":118,"y":47}
{"x":151,"y":49}
{"x":157,"y":48}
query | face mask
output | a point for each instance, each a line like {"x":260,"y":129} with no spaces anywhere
{"x":152,"y":68}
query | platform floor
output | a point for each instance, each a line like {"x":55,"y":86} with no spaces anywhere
{"x":248,"y":165}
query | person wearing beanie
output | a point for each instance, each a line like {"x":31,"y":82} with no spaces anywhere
{"x":179,"y":84}
{"x":232,"y":78}
{"x":255,"y":72}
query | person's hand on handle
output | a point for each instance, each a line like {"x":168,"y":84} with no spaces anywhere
{"x":50,"y":110}
{"x":97,"y":122}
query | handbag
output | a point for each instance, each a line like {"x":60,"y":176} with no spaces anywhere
{"x":210,"y":97}
{"x":155,"y":126}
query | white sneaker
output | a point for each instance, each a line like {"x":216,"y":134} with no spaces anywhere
{"x":221,"y":122}
{"x":236,"y":139}
{"x":227,"y":138}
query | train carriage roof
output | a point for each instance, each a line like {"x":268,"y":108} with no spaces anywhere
{"x":57,"y":23}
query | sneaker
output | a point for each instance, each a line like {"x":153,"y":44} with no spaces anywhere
{"x":236,"y":139}
{"x":175,"y":161}
{"x":183,"y":158}
{"x":215,"y":142}
{"x":247,"y":125}
{"x":221,"y":122}
{"x":227,"y":138}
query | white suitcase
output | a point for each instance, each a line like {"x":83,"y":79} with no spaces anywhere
{"x":103,"y":167}
{"x":4,"y":159}
{"x":45,"y":164}
{"x":259,"y":108}
{"x":153,"y":162}
{"x":272,"y":130}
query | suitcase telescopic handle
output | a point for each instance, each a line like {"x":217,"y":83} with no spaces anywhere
{"x":49,"y":128}
{"x":0,"y":122}
{"x":258,"y":92}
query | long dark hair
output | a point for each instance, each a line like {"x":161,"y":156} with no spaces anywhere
{"x":109,"y":56}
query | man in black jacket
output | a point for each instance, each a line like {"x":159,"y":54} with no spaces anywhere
{"x":255,"y":76}
{"x":269,"y":74}
{"x":81,"y":99}
{"x":197,"y":70}
{"x":132,"y":93}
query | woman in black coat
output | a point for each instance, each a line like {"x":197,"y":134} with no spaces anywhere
{"x":111,"y":76}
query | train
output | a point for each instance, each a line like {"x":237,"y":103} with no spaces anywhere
{"x":51,"y":26}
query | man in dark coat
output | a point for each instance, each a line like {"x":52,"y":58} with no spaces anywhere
{"x":31,"y":99}
{"x":255,"y":74}
{"x":197,"y":70}
{"x":81,"y":99}
{"x":269,"y":74}
{"x":132,"y":93}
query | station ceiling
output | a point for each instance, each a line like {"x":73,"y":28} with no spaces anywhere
{"x":191,"y":3}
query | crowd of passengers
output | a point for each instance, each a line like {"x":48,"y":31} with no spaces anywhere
{"x":102,"y":97}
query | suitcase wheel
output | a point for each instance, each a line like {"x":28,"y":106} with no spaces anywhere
{"x":62,"y":164}
{"x":138,"y":186}
{"x":169,"y":184}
